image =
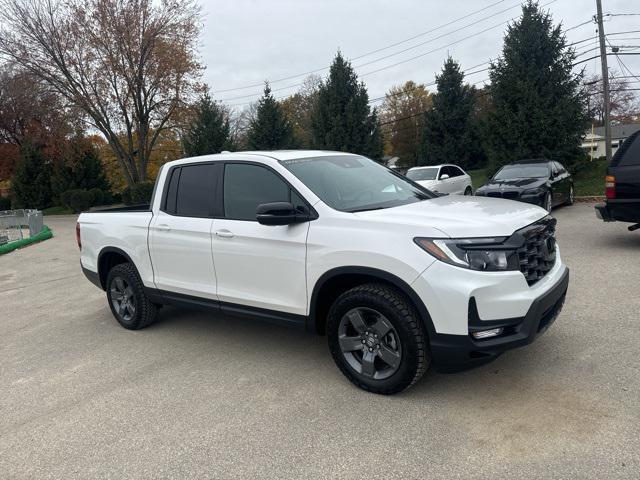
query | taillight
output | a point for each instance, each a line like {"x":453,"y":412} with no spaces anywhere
{"x":79,"y":242}
{"x":610,"y":186}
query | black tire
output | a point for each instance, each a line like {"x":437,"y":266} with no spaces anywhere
{"x":468,"y":191}
{"x":571,"y":196}
{"x":407,"y":328}
{"x":548,"y":202}
{"x":143,"y":313}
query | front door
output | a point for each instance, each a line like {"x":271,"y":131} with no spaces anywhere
{"x":180,"y":234}
{"x":258,"y":265}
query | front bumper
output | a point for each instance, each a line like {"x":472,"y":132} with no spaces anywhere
{"x":516,"y":196}
{"x":459,"y":352}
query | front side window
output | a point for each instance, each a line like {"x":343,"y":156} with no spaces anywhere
{"x":455,"y":171}
{"x":246,"y":186}
{"x":352,"y":183}
{"x":420,"y":174}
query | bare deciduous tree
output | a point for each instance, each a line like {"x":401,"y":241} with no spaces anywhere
{"x":625,"y":105}
{"x":129,"y":65}
{"x":30,"y":110}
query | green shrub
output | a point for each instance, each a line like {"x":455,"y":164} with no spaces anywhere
{"x":97,"y":197}
{"x":5,"y":203}
{"x":65,"y":198}
{"x":77,"y":200}
{"x":138,"y":194}
{"x":126,"y":196}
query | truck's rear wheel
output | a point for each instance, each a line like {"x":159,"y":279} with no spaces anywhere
{"x":127,"y":300}
{"x":377,"y":339}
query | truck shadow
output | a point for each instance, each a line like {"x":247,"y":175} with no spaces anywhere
{"x":268,"y":346}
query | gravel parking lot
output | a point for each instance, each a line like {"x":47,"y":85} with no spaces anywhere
{"x":197,"y":395}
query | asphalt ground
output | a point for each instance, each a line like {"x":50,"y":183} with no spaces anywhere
{"x":204,"y":396}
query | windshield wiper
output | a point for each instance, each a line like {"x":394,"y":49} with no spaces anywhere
{"x":367,"y":209}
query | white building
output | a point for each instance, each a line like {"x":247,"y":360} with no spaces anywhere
{"x":593,"y":141}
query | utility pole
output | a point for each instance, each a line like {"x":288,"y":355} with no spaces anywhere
{"x":605,"y":83}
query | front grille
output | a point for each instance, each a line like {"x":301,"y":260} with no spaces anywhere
{"x":538,"y":253}
{"x":507,"y":194}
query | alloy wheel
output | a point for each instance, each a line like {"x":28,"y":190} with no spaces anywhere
{"x":369,"y":343}
{"x":122,"y":299}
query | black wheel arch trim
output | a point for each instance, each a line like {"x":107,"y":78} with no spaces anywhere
{"x":102,"y":276}
{"x":397,"y":282}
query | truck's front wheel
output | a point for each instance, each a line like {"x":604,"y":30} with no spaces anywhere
{"x":127,"y":300}
{"x":377,"y":339}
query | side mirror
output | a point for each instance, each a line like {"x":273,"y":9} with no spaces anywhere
{"x":279,"y":213}
{"x":444,"y":176}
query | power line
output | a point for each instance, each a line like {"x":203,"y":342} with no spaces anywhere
{"x":367,"y":53}
{"x":402,"y":51}
{"x":608,"y":54}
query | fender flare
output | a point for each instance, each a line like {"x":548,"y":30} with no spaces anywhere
{"x":105,"y":250}
{"x":397,"y":282}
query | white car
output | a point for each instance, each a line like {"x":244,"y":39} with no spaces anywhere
{"x":396,"y":277}
{"x":442,"y":179}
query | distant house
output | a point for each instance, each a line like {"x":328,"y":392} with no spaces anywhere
{"x":593,"y":141}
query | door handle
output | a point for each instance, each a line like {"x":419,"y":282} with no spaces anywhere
{"x":224,"y":233}
{"x":164,"y":227}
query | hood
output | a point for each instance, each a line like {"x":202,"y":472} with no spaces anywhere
{"x":462,"y":216}
{"x":514,"y":183}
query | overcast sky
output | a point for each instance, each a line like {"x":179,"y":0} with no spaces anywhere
{"x":245,"y":42}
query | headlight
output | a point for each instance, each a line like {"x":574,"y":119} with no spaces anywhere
{"x":484,"y":254}
{"x":534,"y":191}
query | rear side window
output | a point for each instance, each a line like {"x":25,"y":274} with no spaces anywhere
{"x":246,"y":186}
{"x":190,"y":191}
{"x":172,"y":190}
{"x":629,"y":152}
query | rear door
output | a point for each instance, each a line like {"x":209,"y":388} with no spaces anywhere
{"x":180,"y":234}
{"x":459,"y":180}
{"x":259,"y":265}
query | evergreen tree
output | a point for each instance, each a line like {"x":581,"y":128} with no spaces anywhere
{"x":342,"y":119}
{"x":81,"y":169}
{"x":539,"y":108}
{"x":269,"y":129}
{"x":209,"y":132}
{"x":31,"y":184}
{"x":449,"y":127}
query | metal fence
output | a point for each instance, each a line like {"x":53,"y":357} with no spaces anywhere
{"x":19,"y":224}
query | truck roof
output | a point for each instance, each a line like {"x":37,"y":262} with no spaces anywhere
{"x":273,"y":154}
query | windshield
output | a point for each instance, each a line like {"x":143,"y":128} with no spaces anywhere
{"x":522,"y":171}
{"x":355,"y":184}
{"x":422,"y":174}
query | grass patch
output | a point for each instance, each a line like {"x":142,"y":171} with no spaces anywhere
{"x":45,"y":234}
{"x":59,"y":210}
{"x":590,"y":180}
{"x":478,"y":177}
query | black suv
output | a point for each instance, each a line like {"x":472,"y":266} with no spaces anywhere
{"x":622,"y":185}
{"x":541,"y":182}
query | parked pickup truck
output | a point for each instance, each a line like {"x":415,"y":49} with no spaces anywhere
{"x":397,"y":277}
{"x":622,"y":185}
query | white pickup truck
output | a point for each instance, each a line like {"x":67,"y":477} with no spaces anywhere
{"x":397,"y":277}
